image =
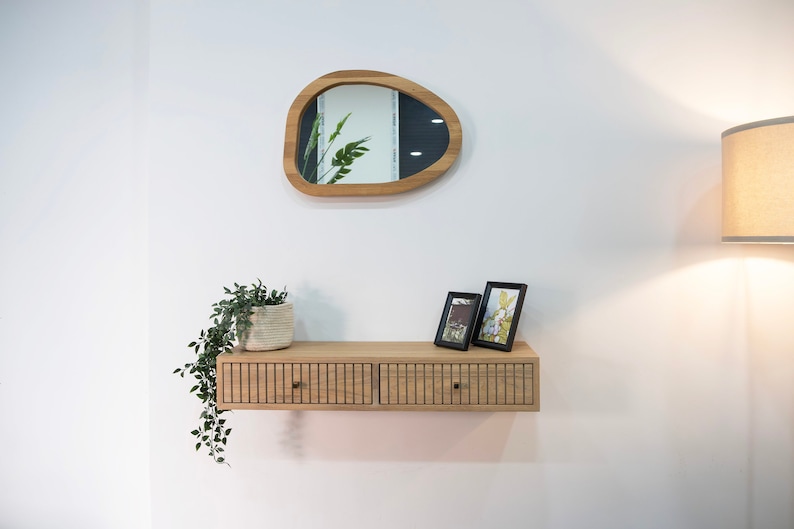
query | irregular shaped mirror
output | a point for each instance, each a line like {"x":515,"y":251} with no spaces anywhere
{"x":361,"y":132}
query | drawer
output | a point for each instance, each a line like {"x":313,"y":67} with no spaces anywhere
{"x":379,"y":376}
{"x":296,"y":383}
{"x":491,"y":384}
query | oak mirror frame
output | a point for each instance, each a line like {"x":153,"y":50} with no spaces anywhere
{"x":308,"y":96}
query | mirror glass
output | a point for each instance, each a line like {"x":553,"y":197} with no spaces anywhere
{"x":402,"y":136}
{"x":359,"y":132}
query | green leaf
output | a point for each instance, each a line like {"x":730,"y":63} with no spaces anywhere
{"x":312,"y":143}
{"x":338,"y":130}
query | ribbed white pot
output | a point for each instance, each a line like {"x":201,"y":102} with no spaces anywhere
{"x":272,"y":327}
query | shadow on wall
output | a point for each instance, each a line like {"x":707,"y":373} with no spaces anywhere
{"x":392,"y":436}
{"x":318,"y":313}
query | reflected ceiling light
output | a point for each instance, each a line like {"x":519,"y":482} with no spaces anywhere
{"x":416,"y":153}
{"x":758,"y":182}
{"x":437,"y":120}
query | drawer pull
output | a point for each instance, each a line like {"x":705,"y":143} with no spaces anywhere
{"x":295,"y":384}
{"x":456,"y":385}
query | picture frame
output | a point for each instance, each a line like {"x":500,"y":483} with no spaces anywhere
{"x":497,"y":319}
{"x":457,"y":321}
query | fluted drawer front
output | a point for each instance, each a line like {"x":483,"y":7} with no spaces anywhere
{"x":296,"y":383}
{"x":379,"y":376}
{"x":491,"y":384}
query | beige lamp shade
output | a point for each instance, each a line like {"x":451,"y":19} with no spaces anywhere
{"x":758,"y":182}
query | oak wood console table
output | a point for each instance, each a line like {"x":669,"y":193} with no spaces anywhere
{"x":415,"y":376}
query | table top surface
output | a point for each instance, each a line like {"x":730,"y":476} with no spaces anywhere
{"x":380,"y":351}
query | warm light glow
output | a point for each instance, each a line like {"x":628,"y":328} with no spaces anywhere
{"x":688,"y":53}
{"x":758,"y":182}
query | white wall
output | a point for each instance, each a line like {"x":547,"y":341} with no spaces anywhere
{"x":590,"y":170}
{"x":74,"y":387}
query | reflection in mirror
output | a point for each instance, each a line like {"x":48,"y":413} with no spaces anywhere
{"x":361,"y":132}
{"x":402,"y":135}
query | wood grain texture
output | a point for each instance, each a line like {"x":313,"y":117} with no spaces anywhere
{"x":296,"y":383}
{"x":490,"y":384}
{"x":384,"y":376}
{"x":370,"y":77}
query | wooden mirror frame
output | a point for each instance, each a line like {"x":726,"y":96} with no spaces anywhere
{"x":368,"y":77}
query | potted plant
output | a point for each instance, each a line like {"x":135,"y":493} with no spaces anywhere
{"x":260,"y":320}
{"x":341,"y":161}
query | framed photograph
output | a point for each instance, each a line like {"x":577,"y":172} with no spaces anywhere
{"x":497,"y":320}
{"x":457,"y":321}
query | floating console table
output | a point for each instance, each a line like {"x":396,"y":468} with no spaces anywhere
{"x":416,"y":376}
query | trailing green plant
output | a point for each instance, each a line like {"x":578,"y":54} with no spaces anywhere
{"x":230,"y":318}
{"x":341,"y":161}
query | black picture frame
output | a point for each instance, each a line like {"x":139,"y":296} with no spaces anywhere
{"x":457,"y":320}
{"x":497,"y":319}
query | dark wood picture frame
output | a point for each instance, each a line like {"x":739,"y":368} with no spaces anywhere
{"x":497,"y":319}
{"x":457,"y":320}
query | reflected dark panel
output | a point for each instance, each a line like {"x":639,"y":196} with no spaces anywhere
{"x":417,"y":134}
{"x":307,"y":120}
